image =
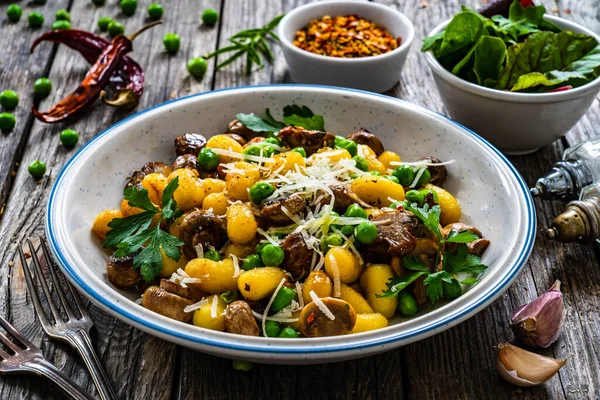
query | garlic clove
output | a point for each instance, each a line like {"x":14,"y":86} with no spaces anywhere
{"x":538,"y":323}
{"x":524,"y":368}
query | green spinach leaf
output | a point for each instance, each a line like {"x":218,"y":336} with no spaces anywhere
{"x":490,"y":53}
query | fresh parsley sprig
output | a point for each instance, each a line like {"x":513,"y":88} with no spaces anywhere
{"x":132,"y":233}
{"x":293,"y":115}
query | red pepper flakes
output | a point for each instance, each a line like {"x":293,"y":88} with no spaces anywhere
{"x":345,"y":36}
{"x":310,"y":318}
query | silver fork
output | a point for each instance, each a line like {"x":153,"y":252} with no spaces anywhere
{"x":75,"y":330}
{"x":28,"y":357}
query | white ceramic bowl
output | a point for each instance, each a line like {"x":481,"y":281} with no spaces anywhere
{"x":376,"y":74}
{"x":517,"y":123}
{"x":492,"y":194}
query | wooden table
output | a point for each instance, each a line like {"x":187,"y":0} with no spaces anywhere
{"x":458,"y":363}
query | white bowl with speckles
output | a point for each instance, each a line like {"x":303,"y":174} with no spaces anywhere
{"x":492,"y":194}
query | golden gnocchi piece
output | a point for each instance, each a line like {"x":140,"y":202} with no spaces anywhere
{"x":215,"y":276}
{"x":217,"y":201}
{"x":225,"y":143}
{"x":450,"y":209}
{"x":387,"y":157}
{"x":373,"y":282}
{"x":377,"y":190}
{"x":368,"y":154}
{"x":320,"y":283}
{"x":155,"y":184}
{"x":239,"y":182}
{"x":285,"y":162}
{"x":369,"y":322}
{"x":333,"y":155}
{"x":340,"y":260}
{"x":100,"y":227}
{"x":204,"y":318}
{"x":241,"y":224}
{"x":190,"y":191}
{"x":259,"y":283}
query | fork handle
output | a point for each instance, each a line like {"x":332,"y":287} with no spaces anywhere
{"x":80,"y":339}
{"x":44,"y":368}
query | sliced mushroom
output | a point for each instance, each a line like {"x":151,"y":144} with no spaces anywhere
{"x":438,"y":172}
{"x":344,"y":198}
{"x":363,"y":136}
{"x":189,"y":143}
{"x":297,"y":255}
{"x":154,"y":167}
{"x":120,"y":272}
{"x":236,"y":137}
{"x":167,"y":304}
{"x":459,"y":227}
{"x":200,"y":227}
{"x":189,"y":161}
{"x":425,"y":246}
{"x":310,"y":141}
{"x":315,"y":323}
{"x":272,"y":210}
{"x":240,"y":320}
{"x":190,"y":292}
{"x":476,"y":247}
{"x":238,"y":128}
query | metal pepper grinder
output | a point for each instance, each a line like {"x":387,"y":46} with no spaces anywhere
{"x":579,"y":168}
{"x":580,"y":222}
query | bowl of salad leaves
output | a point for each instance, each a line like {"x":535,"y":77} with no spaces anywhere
{"x":520,"y":78}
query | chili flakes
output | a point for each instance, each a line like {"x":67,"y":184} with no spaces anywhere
{"x":345,"y":36}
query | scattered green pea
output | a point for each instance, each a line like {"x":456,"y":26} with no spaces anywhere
{"x":35,"y":20}
{"x":99,"y":2}
{"x":172,"y":42}
{"x":425,"y":178}
{"x":376,"y":173}
{"x":407,"y":305}
{"x":414,"y":196}
{"x":229,"y":296}
{"x":299,"y":150}
{"x":197,"y":67}
{"x":347,"y":230}
{"x":331,"y":240}
{"x":37,"y":169}
{"x":452,"y":290}
{"x":365,"y":232}
{"x":42,"y":87}
{"x":155,"y":11}
{"x":7,"y":122}
{"x":208,"y":159}
{"x":259,"y":248}
{"x":273,"y":140}
{"x":272,"y":328}
{"x":348,"y":145}
{"x":260,"y":191}
{"x":391,"y":178}
{"x":210,"y":16}
{"x":9,"y":99}
{"x":115,"y":28}
{"x":69,"y":137}
{"x":283,"y":298}
{"x":62,"y":14}
{"x":259,"y":149}
{"x":361,"y":163}
{"x":128,"y":7}
{"x":212,"y":255}
{"x":61,"y":25}
{"x":252,"y":261}
{"x":289,"y":333}
{"x":241,"y":365}
{"x":14,"y":12}
{"x":271,"y":255}
{"x":405,"y":174}
{"x":103,"y":23}
{"x":355,"y":211}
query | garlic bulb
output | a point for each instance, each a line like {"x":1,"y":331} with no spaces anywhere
{"x":538,"y":323}
{"x":524,"y":368}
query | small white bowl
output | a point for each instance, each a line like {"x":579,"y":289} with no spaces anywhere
{"x":376,"y":74}
{"x":516,"y":123}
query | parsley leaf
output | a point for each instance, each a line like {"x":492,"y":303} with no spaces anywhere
{"x":461,"y":237}
{"x":470,"y":281}
{"x":300,"y":111}
{"x":122,"y":228}
{"x":138,"y":197}
{"x":292,"y":115}
{"x":415,"y":264}
{"x":433,"y":285}
{"x":316,"y":122}
{"x":170,"y":210}
{"x":269,"y":118}
{"x":398,"y":283}
{"x":462,"y":262}
{"x":256,"y":124}
{"x":429,"y":217}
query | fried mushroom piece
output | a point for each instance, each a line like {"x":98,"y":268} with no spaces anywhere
{"x":397,"y":232}
{"x":255,"y":140}
{"x":236,"y":137}
{"x":189,"y":143}
{"x":239,"y":319}
{"x":154,"y":167}
{"x":120,"y":272}
{"x":189,"y":161}
{"x":167,"y":304}
{"x":363,"y":136}
{"x":438,"y":172}
{"x":476,"y":247}
{"x":297,"y":256}
{"x":190,"y":292}
{"x":344,"y":198}
{"x":315,"y":323}
{"x":200,"y":227}
{"x":310,"y":141}
{"x":238,"y":128}
{"x":271,"y":211}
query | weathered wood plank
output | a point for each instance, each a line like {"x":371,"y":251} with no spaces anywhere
{"x":140,"y":365}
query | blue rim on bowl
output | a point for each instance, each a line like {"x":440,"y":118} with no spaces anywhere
{"x":308,"y":347}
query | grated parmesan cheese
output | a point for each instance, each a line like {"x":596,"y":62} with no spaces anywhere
{"x":199,"y":250}
{"x":195,"y":306}
{"x":213,"y":307}
{"x":264,"y":316}
{"x":319,"y":303}
{"x":335,"y":270}
{"x":418,"y":176}
{"x":236,"y":265}
{"x":299,"y":293}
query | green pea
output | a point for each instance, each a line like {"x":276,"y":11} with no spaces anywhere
{"x":241,"y":365}
{"x":289,"y":333}
{"x":392,"y":178}
{"x":376,"y":173}
{"x":348,"y":145}
{"x":7,"y":122}
{"x":212,"y":255}
{"x":42,"y":87}
{"x":355,"y":211}
{"x":197,"y":67}
{"x":273,"y":140}
{"x":361,"y":163}
{"x":14,"y":12}
{"x":37,"y":169}
{"x":260,"y":191}
{"x":299,"y":150}
{"x":405,"y":175}
{"x":103,"y":23}
{"x":347,"y":230}
{"x":128,"y":7}
{"x":61,"y":25}
{"x":115,"y":28}
{"x":407,"y":305}
{"x":69,"y":137}
{"x":260,"y":247}
{"x":425,"y":178}
{"x":35,"y":20}
{"x":229,"y":296}
{"x":99,"y":2}
{"x":414,"y":196}
{"x":62,"y":14}
{"x":258,"y":150}
{"x":338,"y":140}
{"x":251,"y":262}
{"x":271,"y":255}
{"x":365,"y":232}
{"x":331,"y":240}
{"x":210,"y":16}
{"x":283,"y":298}
{"x":208,"y":159}
{"x":155,"y":11}
{"x":452,"y":290}
{"x":272,"y":328}
{"x":426,"y":192}
{"x":9,"y":99}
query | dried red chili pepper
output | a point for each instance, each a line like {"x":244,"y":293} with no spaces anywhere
{"x":95,"y":80}
{"x":128,"y":79}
